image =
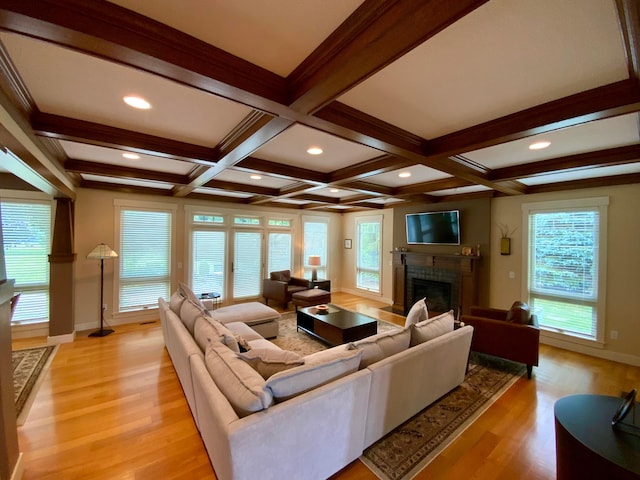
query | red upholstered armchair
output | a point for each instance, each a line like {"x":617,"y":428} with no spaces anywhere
{"x":511,"y":334}
{"x":281,"y":285}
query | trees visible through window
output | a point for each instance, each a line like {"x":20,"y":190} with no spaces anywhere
{"x":368,"y":253}
{"x":565,"y":271}
{"x":26,"y":227}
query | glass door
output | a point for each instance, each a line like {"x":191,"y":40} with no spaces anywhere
{"x":247,"y":264}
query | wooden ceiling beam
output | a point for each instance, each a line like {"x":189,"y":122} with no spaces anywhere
{"x":73,"y":130}
{"x":241,"y":187}
{"x":375,"y":35}
{"x":94,"y":168}
{"x":601,"y":158}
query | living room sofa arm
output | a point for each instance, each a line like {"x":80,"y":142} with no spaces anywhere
{"x":486,"y":312}
{"x":274,"y":289}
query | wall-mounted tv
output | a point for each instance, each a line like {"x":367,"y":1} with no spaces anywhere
{"x":434,"y":228}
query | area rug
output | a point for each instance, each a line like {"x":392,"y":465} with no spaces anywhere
{"x":292,"y":339}
{"x":402,"y":453}
{"x":29,"y":366}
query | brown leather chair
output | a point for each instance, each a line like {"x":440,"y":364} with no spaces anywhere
{"x":280,"y":286}
{"x":512,"y":334}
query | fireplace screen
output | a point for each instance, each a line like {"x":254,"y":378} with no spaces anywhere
{"x":437,"y":294}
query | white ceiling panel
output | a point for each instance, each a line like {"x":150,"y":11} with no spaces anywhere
{"x":83,"y":87}
{"x":419,"y":174}
{"x":583,"y":174}
{"x":588,"y":137}
{"x":223,"y":193}
{"x":290,"y":148}
{"x":459,"y":190}
{"x":276,"y":35}
{"x":238,"y":176}
{"x":127,"y":181}
{"x":502,"y":58}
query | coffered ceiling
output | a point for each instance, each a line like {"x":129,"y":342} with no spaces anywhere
{"x":451,"y":93}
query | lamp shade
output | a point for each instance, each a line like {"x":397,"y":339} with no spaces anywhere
{"x":314,"y":260}
{"x":101,"y":252}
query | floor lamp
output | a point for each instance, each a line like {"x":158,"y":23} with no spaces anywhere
{"x":101,"y":252}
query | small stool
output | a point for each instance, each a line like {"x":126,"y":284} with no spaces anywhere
{"x":311,"y":297}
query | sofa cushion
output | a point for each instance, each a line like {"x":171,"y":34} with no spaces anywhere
{"x":175,"y":302}
{"x":431,"y":328}
{"x":382,"y":345}
{"x":243,"y":330}
{"x":189,"y":311}
{"x":242,"y":385}
{"x":281,"y":276}
{"x":519,"y":313}
{"x":417,"y":313}
{"x":250,"y":313}
{"x":318,"y":369}
{"x":269,"y":361}
{"x":206,"y":330}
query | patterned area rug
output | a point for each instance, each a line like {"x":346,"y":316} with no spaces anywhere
{"x":289,"y":338}
{"x":28,"y":366}
{"x":405,"y":451}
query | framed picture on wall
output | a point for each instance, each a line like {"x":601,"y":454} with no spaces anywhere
{"x":347,"y":243}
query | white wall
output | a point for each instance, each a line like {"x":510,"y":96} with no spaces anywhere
{"x":623,"y":264}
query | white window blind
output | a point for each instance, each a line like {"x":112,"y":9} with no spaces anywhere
{"x":145,"y":258}
{"x":26,"y":227}
{"x":208,"y":249}
{"x":368,"y":253}
{"x":315,"y":243}
{"x":279,"y":256}
{"x":565,"y":274}
{"x":247,"y":264}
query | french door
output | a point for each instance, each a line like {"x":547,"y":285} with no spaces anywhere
{"x":246,"y":269}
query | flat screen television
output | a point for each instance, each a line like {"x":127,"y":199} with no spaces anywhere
{"x":434,"y":228}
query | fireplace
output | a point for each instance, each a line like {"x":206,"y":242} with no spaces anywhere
{"x":437,"y":295}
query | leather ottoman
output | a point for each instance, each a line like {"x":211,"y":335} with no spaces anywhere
{"x":308,"y":298}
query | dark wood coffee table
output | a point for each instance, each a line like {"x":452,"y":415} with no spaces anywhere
{"x":336,"y":326}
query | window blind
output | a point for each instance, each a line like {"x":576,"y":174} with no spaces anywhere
{"x":279,"y":251}
{"x":368,"y":254}
{"x":145,"y":258}
{"x":315,"y":243}
{"x":247,"y":264}
{"x":208,"y":262}
{"x":26,"y":228}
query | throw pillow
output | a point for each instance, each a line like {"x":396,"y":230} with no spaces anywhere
{"x":175,"y":302}
{"x":318,"y":369}
{"x":269,"y":361}
{"x":189,"y":311}
{"x":431,"y":328}
{"x":417,"y":313}
{"x":187,"y":293}
{"x":382,"y":345}
{"x":206,"y":330}
{"x":519,"y":313}
{"x":242,"y":385}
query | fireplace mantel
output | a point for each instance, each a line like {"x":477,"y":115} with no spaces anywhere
{"x":466,"y":268}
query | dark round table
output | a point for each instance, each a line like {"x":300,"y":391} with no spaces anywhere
{"x":586,"y":444}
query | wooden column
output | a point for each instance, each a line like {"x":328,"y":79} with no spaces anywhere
{"x":61,"y":272}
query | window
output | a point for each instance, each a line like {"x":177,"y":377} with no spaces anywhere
{"x":26,"y":227}
{"x":565,"y":266}
{"x":247,"y":264}
{"x":315,"y":243}
{"x":279,"y":251}
{"x":145,"y":257}
{"x":208,"y":247}
{"x":369,"y":231}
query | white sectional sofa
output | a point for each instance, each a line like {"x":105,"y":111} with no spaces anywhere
{"x":316,"y":414}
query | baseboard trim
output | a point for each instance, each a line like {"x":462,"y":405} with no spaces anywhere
{"x":18,"y":471}
{"x":59,"y":339}
{"x":594,"y":352}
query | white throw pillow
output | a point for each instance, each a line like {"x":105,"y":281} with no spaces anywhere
{"x":242,"y":385}
{"x":431,"y":328}
{"x":269,"y":361}
{"x":175,"y":302}
{"x":382,"y":345}
{"x":318,"y":369}
{"x":417,"y":313}
{"x":189,"y":311}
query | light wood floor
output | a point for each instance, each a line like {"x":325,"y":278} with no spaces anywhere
{"x":112,"y":408}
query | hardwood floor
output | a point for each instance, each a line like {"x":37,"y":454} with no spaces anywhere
{"x":112,"y":408}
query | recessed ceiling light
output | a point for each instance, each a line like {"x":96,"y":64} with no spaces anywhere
{"x":255,"y":177}
{"x":131,"y":156}
{"x":539,"y":145}
{"x":314,"y":150}
{"x":404,"y":174}
{"x":334,"y":190}
{"x":137,"y":102}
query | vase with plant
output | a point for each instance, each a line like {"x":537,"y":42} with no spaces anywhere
{"x":505,"y":238}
